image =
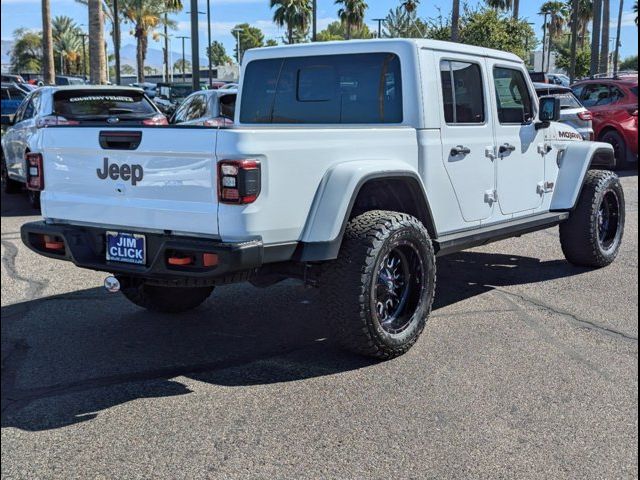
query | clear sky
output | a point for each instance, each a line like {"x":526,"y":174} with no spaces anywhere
{"x":227,"y":13}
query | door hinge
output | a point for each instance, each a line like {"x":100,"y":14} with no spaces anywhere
{"x":545,"y":187}
{"x":490,"y":196}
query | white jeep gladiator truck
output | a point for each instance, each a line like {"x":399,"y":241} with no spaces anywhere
{"x":351,"y":166}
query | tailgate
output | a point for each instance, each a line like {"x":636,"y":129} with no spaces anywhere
{"x":99,"y":175}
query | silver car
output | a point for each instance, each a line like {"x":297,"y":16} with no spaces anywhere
{"x":209,"y":108}
{"x":572,"y":111}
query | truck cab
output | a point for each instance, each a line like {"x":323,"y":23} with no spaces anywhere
{"x":350,"y":166}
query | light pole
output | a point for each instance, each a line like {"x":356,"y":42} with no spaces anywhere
{"x":116,"y":40}
{"x":183,"y":38}
{"x":195,"y":47}
{"x":209,"y":42}
{"x":379,"y":20}
{"x":237,"y":32}
{"x":84,"y":55}
{"x":544,"y":38}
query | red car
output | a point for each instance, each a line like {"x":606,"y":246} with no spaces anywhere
{"x":614,"y":104}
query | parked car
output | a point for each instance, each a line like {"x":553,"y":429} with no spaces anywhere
{"x":352,"y":165}
{"x":211,"y":108}
{"x":12,"y":97}
{"x":614,"y":105}
{"x":11,"y":78}
{"x":551,"y":78}
{"x":67,"y":80}
{"x":572,"y":112}
{"x":170,"y":95}
{"x":148,"y":88}
{"x":64,"y":106}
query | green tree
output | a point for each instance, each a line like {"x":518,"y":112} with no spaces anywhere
{"x":182,"y":66}
{"x":127,"y":69}
{"x":352,"y":14}
{"x":294,"y":14}
{"x":250,"y":37}
{"x":271,"y":43}
{"x":583,"y":58}
{"x":585,"y":15}
{"x":67,"y":46}
{"x":146,"y":16}
{"x":630,"y":63}
{"x":26,"y":55}
{"x":491,"y":29}
{"x":401,"y":23}
{"x":218,"y":54}
{"x":337,"y":31}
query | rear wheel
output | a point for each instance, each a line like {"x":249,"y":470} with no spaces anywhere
{"x":593,"y":234}
{"x":620,"y":149}
{"x":380,"y":289}
{"x":163,"y":299}
{"x":9,"y":185}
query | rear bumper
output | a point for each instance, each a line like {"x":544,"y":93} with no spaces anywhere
{"x":86,"y":248}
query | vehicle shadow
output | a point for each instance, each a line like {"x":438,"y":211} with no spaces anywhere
{"x":65,"y":358}
{"x":16,"y":205}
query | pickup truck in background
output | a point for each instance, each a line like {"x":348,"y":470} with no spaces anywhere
{"x":351,"y":166}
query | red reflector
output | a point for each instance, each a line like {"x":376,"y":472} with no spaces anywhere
{"x":52,"y":243}
{"x":209,"y":259}
{"x":180,"y":261}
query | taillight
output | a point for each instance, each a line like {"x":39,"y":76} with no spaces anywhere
{"x":158,"y":119}
{"x":238,"y":181}
{"x":54,"y":121}
{"x":586,"y":115}
{"x":35,"y":172}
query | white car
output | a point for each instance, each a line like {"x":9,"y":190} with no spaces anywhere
{"x":66,"y":106}
{"x":209,"y":108}
{"x":350,"y":167}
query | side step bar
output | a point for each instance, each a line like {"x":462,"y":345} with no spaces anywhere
{"x":476,"y":237}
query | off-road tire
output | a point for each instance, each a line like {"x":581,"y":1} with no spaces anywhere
{"x":348,"y":283}
{"x":9,"y":186}
{"x":163,"y":299}
{"x":580,"y":235}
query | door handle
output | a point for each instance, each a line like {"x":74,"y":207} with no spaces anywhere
{"x":460,"y":150}
{"x":507,"y":147}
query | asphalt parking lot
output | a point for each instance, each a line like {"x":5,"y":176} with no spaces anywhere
{"x":528,"y":368}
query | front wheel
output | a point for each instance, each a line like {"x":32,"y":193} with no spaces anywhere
{"x":381,"y":287}
{"x":593,"y":234}
{"x":163,"y":299}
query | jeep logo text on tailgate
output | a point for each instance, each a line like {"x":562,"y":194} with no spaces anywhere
{"x":124,"y":171}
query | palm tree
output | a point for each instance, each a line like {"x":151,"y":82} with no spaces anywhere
{"x":502,"y":5}
{"x":48,"y":70}
{"x":66,"y":44}
{"x":146,"y":15}
{"x":295,"y":14}
{"x":352,"y":14}
{"x":585,"y":15}
{"x":455,"y":21}
{"x":604,"y":45}
{"x":635,"y":10}
{"x":558,"y":13}
{"x":97,"y":55}
{"x":109,"y":13}
{"x":411,"y":7}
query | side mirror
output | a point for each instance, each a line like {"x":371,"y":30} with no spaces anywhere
{"x":549,"y":109}
{"x":7,"y":120}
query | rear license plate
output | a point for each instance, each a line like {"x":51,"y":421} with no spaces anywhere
{"x":126,"y":248}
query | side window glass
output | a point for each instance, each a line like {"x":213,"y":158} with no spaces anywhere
{"x":198,"y":105}
{"x":29,"y":110}
{"x":20,"y":114}
{"x":513,"y":97}
{"x":616,"y":95}
{"x":462,"y":91}
{"x":595,"y":95}
{"x":181,"y":112}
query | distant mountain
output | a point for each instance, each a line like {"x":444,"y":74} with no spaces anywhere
{"x":154,"y":57}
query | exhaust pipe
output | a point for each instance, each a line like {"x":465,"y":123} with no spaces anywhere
{"x":111,"y":284}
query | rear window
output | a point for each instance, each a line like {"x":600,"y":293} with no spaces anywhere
{"x":568,"y":100}
{"x":103,"y":103}
{"x":338,"y":89}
